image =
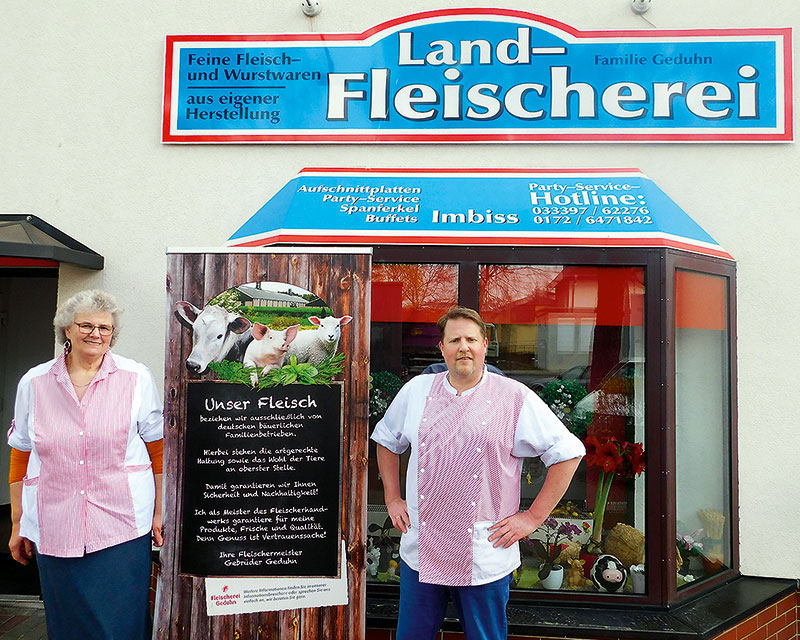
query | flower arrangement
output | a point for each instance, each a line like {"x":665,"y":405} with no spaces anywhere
{"x":690,"y":545}
{"x":613,"y":458}
{"x":555,"y":535}
{"x":384,"y":386}
{"x":562,"y":396}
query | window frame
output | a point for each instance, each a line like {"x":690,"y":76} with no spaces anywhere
{"x":681,"y":261}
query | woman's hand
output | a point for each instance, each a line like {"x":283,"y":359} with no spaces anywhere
{"x":21,"y":548}
{"x":158,"y":534}
{"x":158,"y":538}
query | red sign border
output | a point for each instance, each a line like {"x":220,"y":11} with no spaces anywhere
{"x":784,"y":32}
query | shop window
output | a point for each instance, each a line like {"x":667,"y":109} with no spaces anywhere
{"x":634,"y":351}
{"x":407,"y":301}
{"x":702,"y":426}
{"x":575,"y":335}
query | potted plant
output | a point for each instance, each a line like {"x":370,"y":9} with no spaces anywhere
{"x":384,"y":543}
{"x":551,"y":574}
{"x":384,"y":386}
{"x":562,"y":396}
{"x":613,"y":458}
{"x":689,"y":547}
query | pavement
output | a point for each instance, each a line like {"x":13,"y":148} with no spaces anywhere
{"x":22,"y":618}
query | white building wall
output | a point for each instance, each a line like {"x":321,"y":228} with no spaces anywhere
{"x":80,"y":118}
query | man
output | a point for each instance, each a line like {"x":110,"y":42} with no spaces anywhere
{"x":468,"y":430}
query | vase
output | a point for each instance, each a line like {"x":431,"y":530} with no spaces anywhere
{"x":638,"y":581}
{"x":554,"y":578}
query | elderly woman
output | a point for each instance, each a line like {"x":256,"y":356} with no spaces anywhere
{"x":85,"y":477}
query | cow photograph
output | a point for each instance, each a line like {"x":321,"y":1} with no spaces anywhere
{"x":264,"y":334}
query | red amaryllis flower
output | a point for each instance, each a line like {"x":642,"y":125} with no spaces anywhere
{"x":608,"y":457}
{"x":592,"y":444}
{"x":636,"y":456}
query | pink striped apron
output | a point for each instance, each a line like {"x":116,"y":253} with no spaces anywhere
{"x":84,"y":499}
{"x":465,"y":473}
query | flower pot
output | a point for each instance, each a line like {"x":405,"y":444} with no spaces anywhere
{"x":589,"y":559}
{"x":554,"y":578}
{"x":638,"y":581}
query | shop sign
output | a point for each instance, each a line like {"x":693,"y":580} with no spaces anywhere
{"x":480,"y":75}
{"x":514,"y":207}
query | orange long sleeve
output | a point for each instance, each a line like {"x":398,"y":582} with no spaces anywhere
{"x":156,"y":451}
{"x":18,"y":466}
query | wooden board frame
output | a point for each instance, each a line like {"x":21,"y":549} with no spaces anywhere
{"x":342,"y":279}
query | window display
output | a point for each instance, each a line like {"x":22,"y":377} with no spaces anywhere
{"x":575,"y":335}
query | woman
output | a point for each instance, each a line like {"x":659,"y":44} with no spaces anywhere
{"x":85,"y":477}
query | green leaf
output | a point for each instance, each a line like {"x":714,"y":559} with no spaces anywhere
{"x":539,"y":550}
{"x":544,"y":570}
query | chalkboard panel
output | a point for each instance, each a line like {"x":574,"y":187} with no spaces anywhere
{"x":262,"y":492}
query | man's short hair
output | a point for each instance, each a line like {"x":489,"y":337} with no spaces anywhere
{"x":461,"y":312}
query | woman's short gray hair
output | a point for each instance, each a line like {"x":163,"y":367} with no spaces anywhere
{"x":90,"y":300}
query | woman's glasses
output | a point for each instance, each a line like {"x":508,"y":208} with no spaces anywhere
{"x":86,"y":328}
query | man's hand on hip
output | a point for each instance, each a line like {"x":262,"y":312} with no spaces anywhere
{"x":398,"y":512}
{"x":509,"y":530}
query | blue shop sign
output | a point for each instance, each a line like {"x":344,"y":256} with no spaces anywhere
{"x":480,"y":75}
{"x":471,"y":207}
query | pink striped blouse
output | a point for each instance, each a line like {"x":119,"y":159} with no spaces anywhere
{"x":89,"y":483}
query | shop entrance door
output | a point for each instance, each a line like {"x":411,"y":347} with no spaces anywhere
{"x":27,"y":306}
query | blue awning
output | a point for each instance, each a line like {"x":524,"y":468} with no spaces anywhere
{"x":517,"y":207}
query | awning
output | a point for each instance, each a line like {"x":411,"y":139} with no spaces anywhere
{"x":530,"y":207}
{"x":28,"y":241}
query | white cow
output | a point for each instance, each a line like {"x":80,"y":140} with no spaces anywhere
{"x":315,"y":346}
{"x":217,"y":334}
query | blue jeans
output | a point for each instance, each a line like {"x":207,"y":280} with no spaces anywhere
{"x":481,"y":609}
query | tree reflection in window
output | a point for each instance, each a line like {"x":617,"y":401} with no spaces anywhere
{"x":425,"y":290}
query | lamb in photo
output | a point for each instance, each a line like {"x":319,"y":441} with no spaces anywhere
{"x":315,"y":346}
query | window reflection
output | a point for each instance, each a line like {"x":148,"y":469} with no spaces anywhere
{"x":407,"y":301}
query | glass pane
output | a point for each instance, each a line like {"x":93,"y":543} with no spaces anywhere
{"x":575,"y":335}
{"x":407,"y":301}
{"x":702,"y":423}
